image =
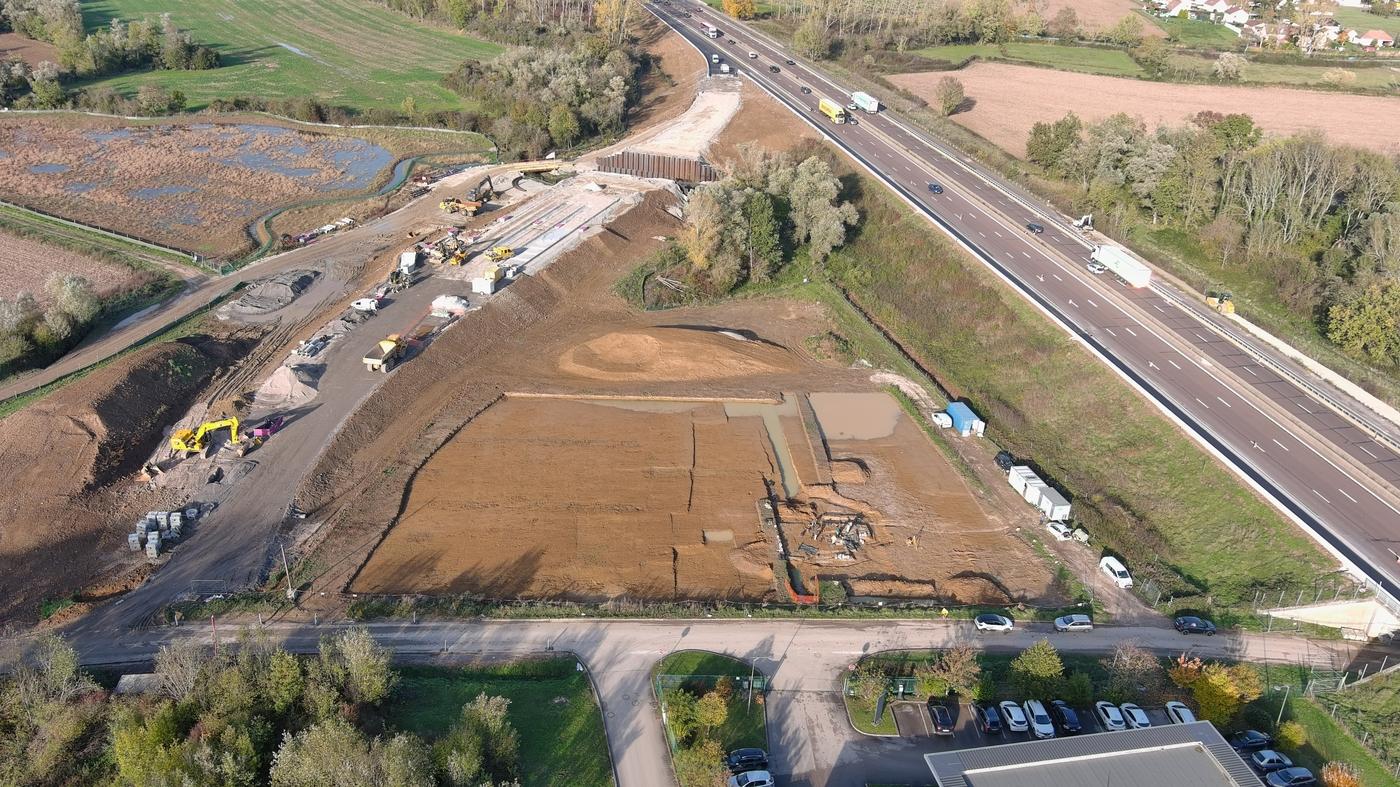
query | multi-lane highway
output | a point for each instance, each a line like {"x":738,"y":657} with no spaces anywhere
{"x":1337,"y":479}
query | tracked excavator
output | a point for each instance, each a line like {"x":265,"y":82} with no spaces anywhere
{"x":192,"y":441}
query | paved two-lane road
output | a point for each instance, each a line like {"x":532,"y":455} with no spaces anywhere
{"x":1329,"y":475}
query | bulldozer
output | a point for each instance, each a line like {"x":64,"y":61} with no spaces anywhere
{"x":1221,"y":300}
{"x":500,"y":253}
{"x":192,"y":441}
{"x":457,"y":205}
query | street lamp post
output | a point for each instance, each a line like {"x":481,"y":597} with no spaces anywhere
{"x":753,"y":666}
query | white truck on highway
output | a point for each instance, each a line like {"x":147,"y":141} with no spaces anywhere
{"x":865,"y":102}
{"x":1123,"y":265}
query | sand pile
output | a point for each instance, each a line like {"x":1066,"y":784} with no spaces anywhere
{"x":671,"y":355}
{"x":269,"y":295}
{"x":289,"y":386}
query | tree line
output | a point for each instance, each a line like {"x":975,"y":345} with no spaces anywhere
{"x":1318,"y":222}
{"x":257,"y":716}
{"x":525,"y":21}
{"x":32,"y":334}
{"x":121,"y":46}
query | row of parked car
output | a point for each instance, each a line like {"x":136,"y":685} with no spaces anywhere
{"x":1257,"y":749}
{"x":1186,"y":624}
{"x":1047,"y":720}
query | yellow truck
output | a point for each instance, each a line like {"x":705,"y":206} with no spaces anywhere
{"x":383,"y":356}
{"x":833,"y":110}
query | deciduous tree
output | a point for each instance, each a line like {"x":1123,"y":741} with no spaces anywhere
{"x":1038,"y":671}
{"x":949,"y":95}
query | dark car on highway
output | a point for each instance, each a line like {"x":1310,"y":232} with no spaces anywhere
{"x":987,"y":718}
{"x":806,"y":90}
{"x":1065,"y":717}
{"x":1034,"y":228}
{"x":741,"y":760}
{"x":1250,"y":740}
{"x":791,"y":62}
{"x":774,"y":69}
{"x":942,"y":719}
{"x":935,"y":188}
{"x":1190,"y":624}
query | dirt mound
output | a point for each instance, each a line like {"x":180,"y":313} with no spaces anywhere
{"x":61,"y":460}
{"x":289,"y":386}
{"x":672,"y":354}
{"x":269,"y":295}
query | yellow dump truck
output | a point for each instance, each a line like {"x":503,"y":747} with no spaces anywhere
{"x":456,"y":205}
{"x":500,"y":254}
{"x":384,"y":355}
{"x":833,"y":110}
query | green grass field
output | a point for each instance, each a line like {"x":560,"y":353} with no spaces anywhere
{"x":1089,"y":60}
{"x":561,"y":742}
{"x":745,"y":724}
{"x":1362,"y":20}
{"x":1198,"y":33}
{"x":346,"y":52}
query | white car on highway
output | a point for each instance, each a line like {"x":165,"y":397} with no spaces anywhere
{"x":1041,"y":726}
{"x":1096,"y":267}
{"x":1014,"y":717}
{"x":1135,"y":716}
{"x":1109,"y":716}
{"x":1179,"y":713}
{"x":990,"y":622}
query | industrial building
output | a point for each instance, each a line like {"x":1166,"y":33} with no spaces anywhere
{"x":1166,"y":756}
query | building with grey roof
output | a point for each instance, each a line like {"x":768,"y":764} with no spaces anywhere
{"x":1168,"y":756}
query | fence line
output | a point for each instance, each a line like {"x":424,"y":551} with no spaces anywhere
{"x":194,"y":259}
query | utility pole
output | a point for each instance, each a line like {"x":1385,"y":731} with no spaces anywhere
{"x":287,"y":570}
{"x":1282,"y":705}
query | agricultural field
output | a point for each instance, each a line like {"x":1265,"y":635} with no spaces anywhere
{"x":191,"y":185}
{"x":345,"y":52}
{"x":25,"y":263}
{"x":1009,"y":99}
{"x":14,"y":45}
{"x":1362,"y":20}
{"x":1098,"y":15}
{"x":1199,"y":34}
{"x":1089,"y":60}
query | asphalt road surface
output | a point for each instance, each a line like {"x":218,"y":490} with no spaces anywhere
{"x":1326,"y":472}
{"x":810,"y":740}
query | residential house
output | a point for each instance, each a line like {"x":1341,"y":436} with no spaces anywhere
{"x":1372,"y":38}
{"x":1178,"y":8}
{"x":1234,"y":15}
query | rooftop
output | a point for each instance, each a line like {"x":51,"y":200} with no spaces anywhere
{"x":1166,"y":756}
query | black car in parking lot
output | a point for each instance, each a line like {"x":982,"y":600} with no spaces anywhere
{"x":942,"y":718}
{"x":1065,"y":717}
{"x":986,"y":718}
{"x":1250,"y":740}
{"x":1190,"y":624}
{"x":1005,"y":460}
{"x":741,"y":760}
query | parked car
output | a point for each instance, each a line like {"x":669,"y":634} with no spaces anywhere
{"x":1096,"y":267}
{"x":751,"y":779}
{"x":1135,"y":716}
{"x":1267,"y":761}
{"x":1041,"y":726}
{"x":985,"y":716}
{"x":1034,"y":229}
{"x":1109,"y":716}
{"x":1005,"y":460}
{"x":935,"y":188}
{"x":1014,"y":717}
{"x":1190,"y":624}
{"x":744,"y":760}
{"x":1116,"y":571}
{"x":1290,"y":777}
{"x":1074,"y":623}
{"x":990,"y":622}
{"x":1179,"y":713}
{"x":942,"y":719}
{"x":1065,"y":717}
{"x":1060,"y":531}
{"x":1251,"y":741}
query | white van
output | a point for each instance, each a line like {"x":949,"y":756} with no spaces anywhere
{"x":1116,"y":571}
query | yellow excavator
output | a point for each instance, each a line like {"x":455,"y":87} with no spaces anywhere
{"x":192,"y":441}
{"x":1222,"y":301}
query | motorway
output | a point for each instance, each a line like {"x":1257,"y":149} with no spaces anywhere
{"x":1326,"y":472}
{"x":810,"y":740}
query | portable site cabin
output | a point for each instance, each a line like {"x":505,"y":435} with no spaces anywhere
{"x":1019,"y":476}
{"x":965,"y":422}
{"x":1034,"y":489}
{"x":1053,"y":505}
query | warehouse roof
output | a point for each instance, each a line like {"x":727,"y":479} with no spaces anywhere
{"x":1166,"y":756}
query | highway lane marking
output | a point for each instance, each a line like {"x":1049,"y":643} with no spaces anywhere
{"x":1130,"y":330}
{"x":1319,"y":494}
{"x":1199,"y":337}
{"x":1057,"y":277}
{"x":1203,"y":404}
{"x":1110,"y":330}
{"x":1280,"y":445}
{"x":983,"y":234}
{"x":1368,"y":452}
{"x":1173,"y":363}
{"x":1026,"y":255}
{"x":1305,"y":408}
{"x":1247,"y":369}
{"x":1222,"y":401}
{"x":1349,"y":497}
{"x":998,"y":234}
{"x":1072,"y":303}
{"x":1091,"y":302}
{"x":1152,"y":365}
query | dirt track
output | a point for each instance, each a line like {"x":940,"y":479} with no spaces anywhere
{"x":1010,"y":99}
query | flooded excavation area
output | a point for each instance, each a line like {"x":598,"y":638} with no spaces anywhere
{"x":191,"y":186}
{"x":649,"y":498}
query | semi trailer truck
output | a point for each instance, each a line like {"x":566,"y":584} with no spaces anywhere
{"x":833,"y":110}
{"x":1123,"y":265}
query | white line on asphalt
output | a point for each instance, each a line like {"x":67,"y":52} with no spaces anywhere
{"x":1203,"y":404}
{"x":1349,"y":497}
{"x":1091,"y":302}
{"x":1368,"y":452}
{"x":1130,"y":330}
{"x":1072,"y":303}
{"x":1110,"y":330}
{"x":1325,"y":500}
{"x":1057,"y":277}
{"x":1247,"y":369}
{"x":1173,"y":363}
{"x":983,"y":234}
{"x":1280,"y":445}
{"x":1305,"y":408}
{"x":1159,"y":308}
{"x":1222,"y":401}
{"x":1199,"y":337}
{"x":1024,"y":254}
{"x":998,"y":234}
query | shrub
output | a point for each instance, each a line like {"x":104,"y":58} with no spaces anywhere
{"x":1292,"y":736}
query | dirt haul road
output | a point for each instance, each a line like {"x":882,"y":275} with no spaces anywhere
{"x":357,"y":244}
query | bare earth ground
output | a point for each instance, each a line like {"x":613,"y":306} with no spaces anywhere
{"x":1098,"y":15}
{"x":760,"y":121}
{"x":14,"y":45}
{"x":669,"y":87}
{"x":25,"y":264}
{"x":1010,"y":99}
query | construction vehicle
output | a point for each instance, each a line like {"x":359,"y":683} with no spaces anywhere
{"x":482,"y":192}
{"x":1084,"y":223}
{"x":459,"y":257}
{"x":500,"y":253}
{"x":832,"y":110}
{"x":458,"y":205}
{"x":191,"y":441}
{"x":1222,"y":301}
{"x":385,"y":354}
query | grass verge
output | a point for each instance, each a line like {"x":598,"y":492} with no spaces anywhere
{"x":700,"y":672}
{"x":1085,"y":59}
{"x":562,"y":741}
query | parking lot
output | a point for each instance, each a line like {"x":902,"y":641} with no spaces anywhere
{"x":915,"y":725}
